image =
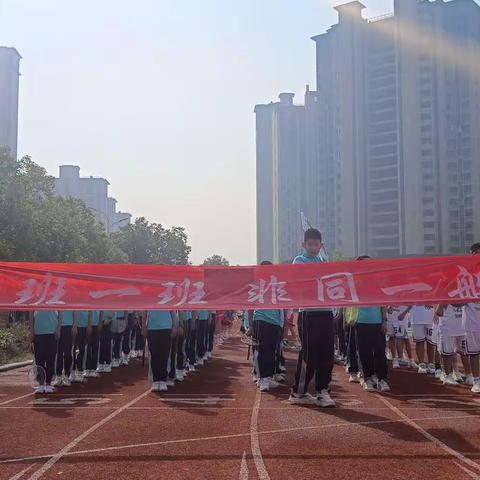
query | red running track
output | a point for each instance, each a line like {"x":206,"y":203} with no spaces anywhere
{"x":216,"y":425}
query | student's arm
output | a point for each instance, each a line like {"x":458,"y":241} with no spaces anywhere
{"x":59,"y":324}
{"x":402,"y":316}
{"x":440,"y":310}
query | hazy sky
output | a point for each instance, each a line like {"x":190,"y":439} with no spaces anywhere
{"x":157,"y":96}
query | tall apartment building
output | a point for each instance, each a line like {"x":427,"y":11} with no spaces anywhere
{"x":396,"y":129}
{"x":9,"y":79}
{"x":94,"y":192}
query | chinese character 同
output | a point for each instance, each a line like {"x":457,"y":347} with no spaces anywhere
{"x":339,"y":286}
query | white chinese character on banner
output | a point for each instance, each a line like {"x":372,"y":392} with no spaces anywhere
{"x":336,"y":287}
{"x":49,"y":291}
{"x":118,"y":292}
{"x":183,"y":293}
{"x":277,"y":290}
{"x":468,"y":285}
{"x":409,"y":287}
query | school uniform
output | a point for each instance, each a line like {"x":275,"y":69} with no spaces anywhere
{"x":93,"y":342}
{"x":268,"y":329}
{"x":191,"y":339}
{"x":451,"y":331}
{"x":80,"y":341}
{"x":371,"y":343}
{"x":202,"y":333}
{"x":400,"y":327}
{"x":211,"y":332}
{"x":105,"y":356}
{"x":65,"y":345}
{"x":422,"y":324}
{"x":180,"y":340}
{"x":137,"y":332}
{"x":471,"y":326}
{"x":316,"y":332}
{"x":44,"y":342}
{"x":117,"y":327}
{"x":127,"y":334}
{"x":159,"y":332}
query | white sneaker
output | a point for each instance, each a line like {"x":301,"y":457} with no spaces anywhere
{"x":39,"y":389}
{"x":383,"y":386}
{"x":115,"y":363}
{"x":93,"y":374}
{"x":57,"y":381}
{"x":431,"y":369}
{"x":422,"y":368}
{"x":162,"y":387}
{"x":413,"y":364}
{"x":191,"y":368}
{"x":170,"y":382}
{"x":101,"y":368}
{"x":124,"y":361}
{"x":139,"y":353}
{"x":49,"y":389}
{"x":470,"y":381}
{"x":254,"y":379}
{"x":155,"y":387}
{"x":374,"y":379}
{"x":395,"y":363}
{"x":282,"y":368}
{"x":200,"y":361}
{"x":205,"y":358}
{"x":132,"y":354}
{"x":107,"y":368}
{"x":324,"y":399}
{"x":264,"y":384}
{"x":280,"y":377}
{"x":439,"y":373}
{"x":353,"y":378}
{"x":476,"y":387}
{"x":458,"y":376}
{"x":78,"y":377}
{"x":389,"y":355}
{"x":298,"y":399}
{"x":368,"y":385}
{"x":66,"y":382}
{"x":179,"y":376}
{"x":450,"y":380}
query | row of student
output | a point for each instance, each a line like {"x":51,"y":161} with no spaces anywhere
{"x":73,"y":346}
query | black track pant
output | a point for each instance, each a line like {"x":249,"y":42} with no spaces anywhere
{"x":117,"y":343}
{"x":172,"y":361}
{"x":267,"y":352}
{"x":371,"y":350}
{"x":191,"y":339}
{"x":352,"y":350}
{"x":92,"y":349}
{"x":64,"y":351}
{"x":202,"y":330}
{"x":45,"y":349}
{"x":316,"y":356}
{"x":340,"y":334}
{"x":211,"y":333}
{"x":139,"y":340}
{"x":159,"y":345}
{"x":105,"y":345}
{"x":127,"y":338}
{"x":181,"y":352}
{"x":79,"y":349}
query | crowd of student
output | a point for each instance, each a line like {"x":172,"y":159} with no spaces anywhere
{"x":73,"y":346}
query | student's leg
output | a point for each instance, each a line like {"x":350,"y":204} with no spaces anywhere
{"x":420,"y":349}
{"x":431,"y":350}
{"x":352,"y":354}
{"x":191,"y":340}
{"x":126,"y":340}
{"x":60,"y":358}
{"x":92,"y":349}
{"x":267,"y":337}
{"x":211,"y":333}
{"x":155,"y":347}
{"x":180,"y":352}
{"x":399,"y":344}
{"x":117,"y":341}
{"x":339,"y":331}
{"x":172,"y":364}
{"x":50,"y":348}
{"x":201,"y":324}
{"x":68,"y":347}
{"x":392,"y":345}
{"x":164,"y":341}
{"x":379,"y":356}
{"x":80,"y":341}
{"x":307,"y":355}
{"x":322,"y":323}
{"x":365,"y":349}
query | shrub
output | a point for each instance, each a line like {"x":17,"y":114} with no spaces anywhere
{"x":14,"y":343}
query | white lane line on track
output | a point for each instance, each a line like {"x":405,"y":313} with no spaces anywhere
{"x":55,"y":458}
{"x":243,"y":468}
{"x":16,"y":398}
{"x":254,"y":440}
{"x":467,"y":471}
{"x":235,"y":435}
{"x":429,"y":436}
{"x":22,"y":473}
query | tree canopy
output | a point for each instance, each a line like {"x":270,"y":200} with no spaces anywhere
{"x":216,"y":260}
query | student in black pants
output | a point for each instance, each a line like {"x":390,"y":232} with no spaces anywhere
{"x":80,"y":320}
{"x":45,"y":331}
{"x":316,"y":333}
{"x":105,"y":357}
{"x":127,"y":337}
{"x":191,"y":341}
{"x":211,"y":333}
{"x":93,"y":340}
{"x":139,"y":342}
{"x":160,"y":325}
{"x":176,"y":364}
{"x":63,"y":367}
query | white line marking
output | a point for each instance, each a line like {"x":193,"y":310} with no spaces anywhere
{"x":467,"y":471}
{"x":254,"y":441}
{"x":235,"y":435}
{"x":16,"y":398}
{"x":243,"y":468}
{"x":20,"y":474}
{"x":53,"y":460}
{"x":429,"y":436}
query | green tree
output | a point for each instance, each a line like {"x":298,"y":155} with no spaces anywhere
{"x":216,"y":260}
{"x":150,"y":243}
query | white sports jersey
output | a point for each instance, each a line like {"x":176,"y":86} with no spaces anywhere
{"x":450,"y":325}
{"x":471,"y":317}
{"x":421,"y":315}
{"x":396,"y":311}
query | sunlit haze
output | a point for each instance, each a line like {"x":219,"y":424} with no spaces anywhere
{"x":157,"y":96}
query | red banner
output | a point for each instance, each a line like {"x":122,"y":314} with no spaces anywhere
{"x":25,"y":286}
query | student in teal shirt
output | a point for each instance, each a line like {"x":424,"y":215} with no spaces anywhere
{"x":158,"y":330}
{"x":371,"y":328}
{"x":64,"y":350}
{"x":45,"y":330}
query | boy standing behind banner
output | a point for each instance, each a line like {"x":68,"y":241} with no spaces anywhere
{"x":315,"y":328}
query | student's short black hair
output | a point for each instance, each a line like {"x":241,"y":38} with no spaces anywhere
{"x":475,"y":248}
{"x":266,"y":262}
{"x":312,"y":234}
{"x":363,"y":257}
